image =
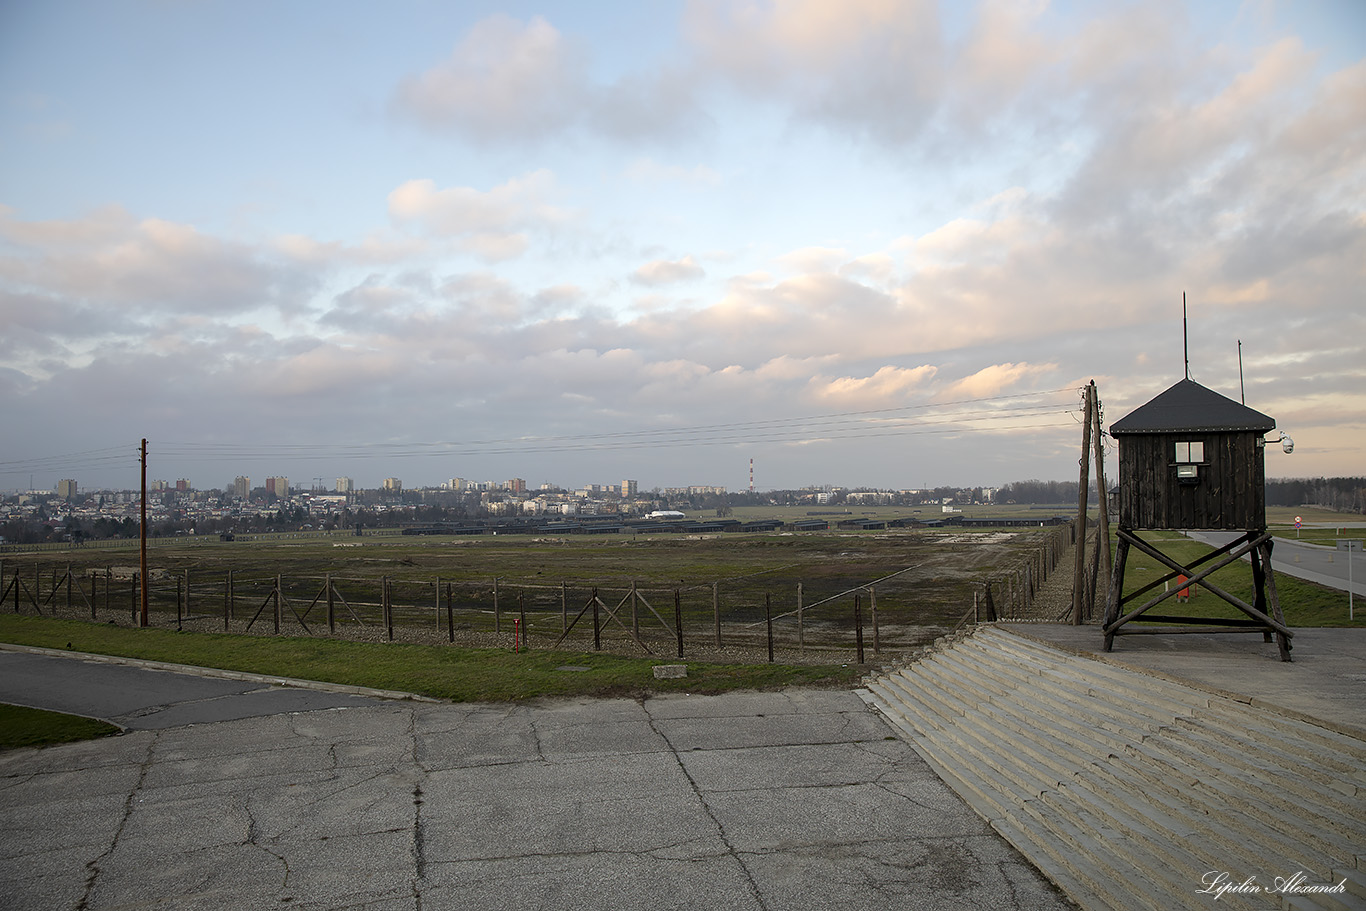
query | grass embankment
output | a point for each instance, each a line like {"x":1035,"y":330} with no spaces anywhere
{"x":441,"y":672}
{"x":21,"y":726}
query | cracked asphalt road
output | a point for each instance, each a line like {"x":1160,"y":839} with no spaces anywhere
{"x":789,"y":800}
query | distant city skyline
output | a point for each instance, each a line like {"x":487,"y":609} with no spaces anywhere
{"x":863,"y":243}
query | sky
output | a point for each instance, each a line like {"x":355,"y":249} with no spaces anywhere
{"x":864,"y":243}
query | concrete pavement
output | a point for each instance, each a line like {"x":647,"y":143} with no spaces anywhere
{"x":790,"y":800}
{"x":1325,"y":682}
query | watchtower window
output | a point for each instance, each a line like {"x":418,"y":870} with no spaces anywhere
{"x":1188,"y":453}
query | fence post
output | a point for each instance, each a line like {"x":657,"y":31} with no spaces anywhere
{"x":132,"y":588}
{"x":277,"y":605}
{"x":597,"y":640}
{"x":94,"y":593}
{"x":178,"y":614}
{"x":768,"y":622}
{"x":232,"y":595}
{"x":801,"y":632}
{"x":450,"y":615}
{"x":497,"y":614}
{"x":108,"y":585}
{"x":187,"y":593}
{"x":564,"y":609}
{"x":388,"y":609}
{"x":68,"y":588}
{"x":858,"y":625}
{"x":678,"y":620}
{"x":436,"y":597}
{"x":331,"y":604}
{"x":521,"y":615}
{"x":872,"y":608}
{"x":715,"y":609}
{"x":635,"y":612}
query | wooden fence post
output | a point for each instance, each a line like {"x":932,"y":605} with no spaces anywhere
{"x":678,"y":620}
{"x":521,"y":615}
{"x":277,"y":605}
{"x":801,"y":632}
{"x":872,"y":608}
{"x":564,"y":609}
{"x":768,"y":621}
{"x":388,"y":608}
{"x":497,"y":613}
{"x":597,"y":630}
{"x":331,"y":604}
{"x":715,"y":609}
{"x":858,"y":625}
{"x":450,"y":615}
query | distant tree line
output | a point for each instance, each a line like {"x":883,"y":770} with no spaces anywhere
{"x":1339,"y":494}
{"x":1035,"y":491}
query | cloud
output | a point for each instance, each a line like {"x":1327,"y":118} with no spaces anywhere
{"x":666,"y":272}
{"x":143,"y":268}
{"x":503,"y":80}
{"x":513,"y":81}
{"x":491,"y":224}
{"x":874,"y":66}
{"x":889,"y":383}
{"x":994,"y":380}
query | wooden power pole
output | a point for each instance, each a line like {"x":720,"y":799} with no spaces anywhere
{"x":1079,"y":566}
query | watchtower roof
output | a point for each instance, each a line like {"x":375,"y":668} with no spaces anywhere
{"x":1189,"y":407}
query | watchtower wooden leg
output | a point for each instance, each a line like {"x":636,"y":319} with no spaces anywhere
{"x":1282,"y":641}
{"x":1113,"y":596}
{"x":1259,"y":566}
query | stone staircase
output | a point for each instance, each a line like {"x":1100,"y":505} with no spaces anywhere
{"x":1129,"y":790}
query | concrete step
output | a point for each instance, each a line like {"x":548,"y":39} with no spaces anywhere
{"x":1108,"y":779}
{"x":1337,"y":761}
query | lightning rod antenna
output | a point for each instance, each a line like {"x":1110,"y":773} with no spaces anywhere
{"x":1242,"y":390}
{"x":1185,"y":339}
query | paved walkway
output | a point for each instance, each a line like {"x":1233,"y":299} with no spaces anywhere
{"x":790,"y":800}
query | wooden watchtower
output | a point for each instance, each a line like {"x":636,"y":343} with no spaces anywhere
{"x":1192,"y":459}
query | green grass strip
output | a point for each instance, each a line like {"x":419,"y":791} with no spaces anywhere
{"x":441,"y":672}
{"x":21,"y":726}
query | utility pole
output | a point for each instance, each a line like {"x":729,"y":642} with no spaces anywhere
{"x":142,"y":537}
{"x":1078,"y":572}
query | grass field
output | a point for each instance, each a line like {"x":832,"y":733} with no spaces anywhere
{"x":922,"y":582}
{"x":1304,"y":603}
